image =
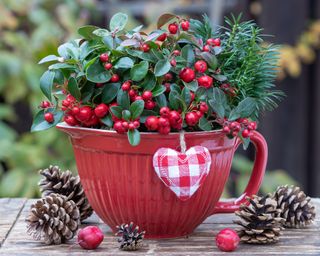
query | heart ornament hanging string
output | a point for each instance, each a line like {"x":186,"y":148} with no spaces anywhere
{"x":182,"y":172}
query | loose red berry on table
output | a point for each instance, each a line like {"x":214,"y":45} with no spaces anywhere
{"x":201,"y":66}
{"x":176,"y":52}
{"x":108,"y":66}
{"x":101,"y":110}
{"x":173,"y":28}
{"x":164,"y":111}
{"x":185,"y":25}
{"x":147,"y":95}
{"x":152,"y":123}
{"x":162,"y":37}
{"x":145,"y":47}
{"x":173,"y":62}
{"x":168,"y":77}
{"x":126,"y":86}
{"x":45,"y":104}
{"x":206,"y":48}
{"x":115,"y":78}
{"x":149,"y":104}
{"x":227,"y":240}
{"x":191,"y":118}
{"x":84,"y":114}
{"x":205,"y":81}
{"x":70,"y":120}
{"x":104,"y":57}
{"x":187,"y":75}
{"x":90,"y":237}
{"x":49,"y":117}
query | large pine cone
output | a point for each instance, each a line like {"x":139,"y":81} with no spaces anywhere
{"x":295,"y":206}
{"x":260,"y":221}
{"x":64,"y":183}
{"x":54,"y":219}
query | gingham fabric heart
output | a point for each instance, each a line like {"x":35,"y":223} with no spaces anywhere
{"x":183,"y":173}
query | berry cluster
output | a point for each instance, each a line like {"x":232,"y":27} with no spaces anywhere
{"x":122,"y":126}
{"x":242,"y":125}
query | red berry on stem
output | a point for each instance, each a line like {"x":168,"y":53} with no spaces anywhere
{"x":70,"y":98}
{"x":206,"y":48}
{"x":126,"y":86}
{"x":191,"y":118}
{"x":164,"y":111}
{"x":173,"y":28}
{"x":138,"y":98}
{"x":114,"y":78}
{"x":205,"y":81}
{"x":176,"y":52}
{"x":117,"y":126}
{"x":125,"y":125}
{"x":163,"y":122}
{"x":164,"y":130}
{"x":45,"y":104}
{"x":152,"y":123}
{"x":167,"y":85}
{"x":187,"y":75}
{"x":253,"y":125}
{"x":192,"y":96}
{"x":75,"y":110}
{"x":132,"y":93}
{"x":101,"y":110}
{"x":214,"y":41}
{"x":104,"y":57}
{"x":131,"y":126}
{"x":162,"y":37}
{"x":70,"y":120}
{"x":49,"y":117}
{"x":65,"y":103}
{"x":84,"y":114}
{"x":245,"y":133}
{"x":146,"y":95}
{"x":226,"y":129}
{"x":201,"y":66}
{"x":90,"y":237}
{"x":185,"y":25}
{"x":149,"y":104}
{"x":145,"y":47}
{"x":203,"y":107}
{"x":173,"y":62}
{"x":108,"y":66}
{"x":175,"y":119}
{"x":168,"y":77}
{"x":227,"y":240}
{"x":136,"y":124}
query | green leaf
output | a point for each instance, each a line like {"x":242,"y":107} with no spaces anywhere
{"x":134,"y":137}
{"x":73,"y":88}
{"x":210,"y":59}
{"x":149,"y":82}
{"x":62,"y":66}
{"x":185,"y":94}
{"x":192,"y":86}
{"x":90,"y":62}
{"x":158,"y":90}
{"x":39,"y":123}
{"x":162,"y":67}
{"x":87,"y":91}
{"x":245,"y":143}
{"x":124,"y":62}
{"x":201,"y":93}
{"x":123,"y":99}
{"x":218,"y":101}
{"x":118,"y":21}
{"x":244,"y":109}
{"x":142,"y":55}
{"x":109,"y":42}
{"x":87,"y":31}
{"x":158,"y":55}
{"x":136,"y":109}
{"x":220,"y":78}
{"x":107,"y":120}
{"x":101,"y":32}
{"x":161,"y":100}
{"x":165,"y":18}
{"x":48,"y":58}
{"x":110,"y":92}
{"x":188,"y":54}
{"x":130,"y":42}
{"x":58,"y":77}
{"x":174,"y":100}
{"x":204,"y":124}
{"x":116,"y":111}
{"x":126,"y":115}
{"x":139,"y":71}
{"x":97,"y":74}
{"x":175,"y":87}
{"x":46,"y":83}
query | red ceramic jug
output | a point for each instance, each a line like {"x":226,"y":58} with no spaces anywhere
{"x":122,"y":186}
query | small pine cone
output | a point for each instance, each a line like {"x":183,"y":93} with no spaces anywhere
{"x":295,"y":206}
{"x":64,"y":183}
{"x":53,"y":219}
{"x":130,"y":238}
{"x":260,"y":221}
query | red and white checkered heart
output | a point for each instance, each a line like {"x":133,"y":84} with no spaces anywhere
{"x":185,"y":172}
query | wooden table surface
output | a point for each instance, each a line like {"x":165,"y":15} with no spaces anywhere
{"x":15,"y":241}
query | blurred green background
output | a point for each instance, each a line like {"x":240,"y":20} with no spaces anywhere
{"x":32,"y":29}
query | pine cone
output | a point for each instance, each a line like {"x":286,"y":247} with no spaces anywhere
{"x":131,"y":239}
{"x":295,"y":206}
{"x":53,"y":219}
{"x":64,"y":183}
{"x":260,"y":221}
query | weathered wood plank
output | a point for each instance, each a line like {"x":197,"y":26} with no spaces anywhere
{"x":9,"y":211}
{"x":293,"y":242}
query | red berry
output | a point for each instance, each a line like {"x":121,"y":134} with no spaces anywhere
{"x":206,"y":48}
{"x":152,"y":123}
{"x":136,"y":124}
{"x":131,"y":126}
{"x":191,"y":118}
{"x":173,"y":62}
{"x":192,"y":96}
{"x":90,"y":237}
{"x":114,"y":78}
{"x":226,"y":129}
{"x":101,"y":110}
{"x":253,"y":125}
{"x":99,"y":85}
{"x":167,"y":85}
{"x":70,"y":98}
{"x":214,"y":41}
{"x":173,"y":28}
{"x":233,"y":125}
{"x":234,"y":134}
{"x":117,"y":126}
{"x":168,"y":77}
{"x":227,"y":240}
{"x":93,"y":121}
{"x":138,"y":98}
{"x":70,"y":120}
{"x":164,"y":130}
{"x":84,"y":114}
{"x":203,"y":107}
{"x":187,"y":75}
{"x":149,"y":104}
{"x":205,"y":81}
{"x":104,"y":57}
{"x":201,"y":66}
{"x":132,"y":93}
{"x":185,"y":25}
{"x":163,"y":122}
{"x":176,"y":52}
{"x":125,"y":125}
{"x":245,"y":133}
{"x":126,"y":86}
{"x":65,"y":103}
{"x":49,"y":117}
{"x":175,"y":120}
{"x":45,"y":104}
{"x":75,"y":110}
{"x":164,"y":111}
{"x":162,"y":37}
{"x":146,"y":95}
{"x":145,"y":47}
{"x":108,"y":66}
{"x":199,"y":114}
